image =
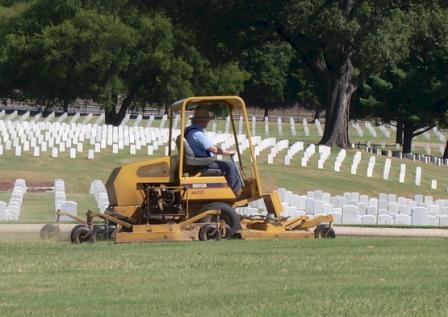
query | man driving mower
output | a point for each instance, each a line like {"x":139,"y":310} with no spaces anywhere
{"x":202,"y":146}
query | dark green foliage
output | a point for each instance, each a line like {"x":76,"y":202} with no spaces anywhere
{"x":414,"y":92}
{"x":269,"y":66}
{"x":127,"y":54}
{"x":108,"y":52}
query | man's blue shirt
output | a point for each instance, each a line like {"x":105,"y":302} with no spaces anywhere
{"x":198,"y":141}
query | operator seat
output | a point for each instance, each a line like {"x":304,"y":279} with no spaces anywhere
{"x":194,"y":165}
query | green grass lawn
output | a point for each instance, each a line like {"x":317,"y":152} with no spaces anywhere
{"x":342,"y":277}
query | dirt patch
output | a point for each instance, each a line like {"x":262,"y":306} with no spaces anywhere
{"x":6,"y":186}
{"x":33,"y":186}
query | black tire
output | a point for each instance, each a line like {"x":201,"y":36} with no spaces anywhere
{"x":99,"y":233}
{"x":228,"y":214}
{"x":74,"y":229}
{"x":82,"y":234}
{"x":50,"y":231}
{"x":110,"y":231}
{"x":210,"y":232}
{"x":323,"y":231}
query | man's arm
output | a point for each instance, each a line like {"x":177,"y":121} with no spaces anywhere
{"x":216,"y":150}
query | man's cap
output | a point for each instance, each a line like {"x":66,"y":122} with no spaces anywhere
{"x":202,"y":113}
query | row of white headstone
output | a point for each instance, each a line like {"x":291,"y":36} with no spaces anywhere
{"x":22,"y":136}
{"x":12,"y":209}
{"x":118,"y":138}
{"x":355,"y":208}
{"x":98,"y":190}
{"x":103,"y":136}
{"x":385,"y":129}
{"x":38,"y":117}
{"x":324,"y":154}
{"x":61,"y":203}
{"x":42,"y":135}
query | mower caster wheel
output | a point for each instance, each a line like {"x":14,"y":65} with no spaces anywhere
{"x":110,"y":232}
{"x":323,"y":231}
{"x":50,"y":231}
{"x":81,"y":234}
{"x":99,"y":233}
{"x":228,"y":214}
{"x":211,"y":232}
{"x":208,"y":232}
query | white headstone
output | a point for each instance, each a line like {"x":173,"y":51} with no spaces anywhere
{"x":368,"y":219}
{"x":384,"y":219}
{"x":443,"y":220}
{"x":419,"y":215}
{"x":309,"y":206}
{"x":54,"y":152}
{"x":280,"y":128}
{"x":434,"y":184}
{"x":266,"y":126}
{"x":70,"y":207}
{"x":350,"y":214}
{"x":337,"y":214}
{"x":402,"y":219}
{"x":402,"y":175}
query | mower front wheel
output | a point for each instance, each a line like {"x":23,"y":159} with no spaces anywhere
{"x":81,"y":234}
{"x":50,"y":231}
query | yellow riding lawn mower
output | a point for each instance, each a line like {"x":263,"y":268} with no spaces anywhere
{"x":178,"y":198}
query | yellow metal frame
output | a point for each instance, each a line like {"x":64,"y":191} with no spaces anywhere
{"x":187,"y":230}
{"x":234,"y":103}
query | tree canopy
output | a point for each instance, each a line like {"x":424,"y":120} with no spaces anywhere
{"x":414,"y":93}
{"x":323,"y":54}
{"x":114,"y":55}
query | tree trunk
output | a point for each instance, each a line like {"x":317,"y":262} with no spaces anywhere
{"x":110,"y":115}
{"x":399,"y":135}
{"x":338,"y":96}
{"x":445,"y":154}
{"x":408,"y":135}
{"x":317,"y":112}
{"x":115,"y":118}
{"x":266,"y":112}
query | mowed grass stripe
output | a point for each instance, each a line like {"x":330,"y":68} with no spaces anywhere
{"x":342,"y":277}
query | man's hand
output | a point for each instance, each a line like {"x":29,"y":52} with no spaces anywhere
{"x":216,"y":150}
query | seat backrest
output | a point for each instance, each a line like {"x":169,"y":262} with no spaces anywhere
{"x":189,"y":158}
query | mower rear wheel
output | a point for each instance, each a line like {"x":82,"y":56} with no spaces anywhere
{"x":50,"y":231}
{"x":324,"y":231}
{"x":81,"y":234}
{"x":228,"y":214}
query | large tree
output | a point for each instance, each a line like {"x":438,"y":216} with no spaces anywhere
{"x":340,"y":42}
{"x":111,"y":52}
{"x":414,"y":93}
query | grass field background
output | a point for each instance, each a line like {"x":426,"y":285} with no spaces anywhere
{"x":79,"y":173}
{"x":342,"y":277}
